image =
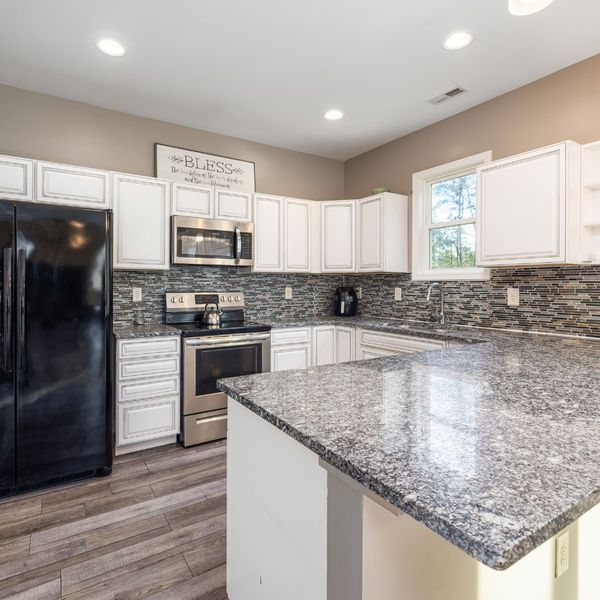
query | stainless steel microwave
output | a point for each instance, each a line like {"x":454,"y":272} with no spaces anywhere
{"x":211,"y":242}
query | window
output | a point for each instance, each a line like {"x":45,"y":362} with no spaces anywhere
{"x":444,"y":214}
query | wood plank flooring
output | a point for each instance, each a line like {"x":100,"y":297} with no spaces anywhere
{"x":155,"y":528}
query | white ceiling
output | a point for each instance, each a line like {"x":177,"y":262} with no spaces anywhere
{"x":266,"y":70}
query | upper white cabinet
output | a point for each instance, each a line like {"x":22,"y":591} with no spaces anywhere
{"x":529,"y":208}
{"x":74,"y":186}
{"x":233,"y":206}
{"x":190,"y":200}
{"x":590,"y":202}
{"x":382,"y":227}
{"x":16,"y":178}
{"x":268,"y":233}
{"x":297,"y":235}
{"x":141,"y":222}
{"x":338,"y":229}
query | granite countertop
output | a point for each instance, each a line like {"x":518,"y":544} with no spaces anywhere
{"x":125,"y":332}
{"x":493,"y":445}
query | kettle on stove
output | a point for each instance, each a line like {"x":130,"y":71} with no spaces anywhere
{"x":346,"y":302}
{"x":212,"y":316}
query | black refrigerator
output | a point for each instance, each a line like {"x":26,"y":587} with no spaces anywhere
{"x":56,"y":312}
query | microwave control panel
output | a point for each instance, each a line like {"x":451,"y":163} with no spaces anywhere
{"x":246,"y":245}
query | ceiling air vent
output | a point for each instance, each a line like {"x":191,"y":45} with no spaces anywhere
{"x":457,"y":91}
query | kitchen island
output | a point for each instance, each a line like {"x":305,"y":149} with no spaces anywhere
{"x":442,"y":474}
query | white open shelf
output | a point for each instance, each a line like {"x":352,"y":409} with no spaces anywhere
{"x":590,"y":202}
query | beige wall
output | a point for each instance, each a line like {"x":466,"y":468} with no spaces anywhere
{"x":49,"y":128}
{"x":565,"y":105}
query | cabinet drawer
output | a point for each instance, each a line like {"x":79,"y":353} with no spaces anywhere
{"x":16,"y":178}
{"x":129,"y":391}
{"x":147,"y":347}
{"x":398,"y":343}
{"x":141,"y":421}
{"x":296,"y":335}
{"x":149,"y":367}
{"x":65,"y":184}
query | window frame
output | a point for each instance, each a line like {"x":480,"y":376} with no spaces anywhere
{"x":422,"y":225}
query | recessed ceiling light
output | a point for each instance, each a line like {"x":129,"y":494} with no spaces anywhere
{"x":458,"y":40}
{"x":111,"y":47}
{"x":334,"y":115}
{"x":527,"y":7}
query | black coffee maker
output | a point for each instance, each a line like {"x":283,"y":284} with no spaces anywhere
{"x":346,"y":302}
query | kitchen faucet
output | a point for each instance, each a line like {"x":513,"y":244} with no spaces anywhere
{"x":441,"y":316}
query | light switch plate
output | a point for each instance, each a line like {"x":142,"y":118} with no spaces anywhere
{"x":397,"y":294}
{"x":512,"y":296}
{"x":136,"y":295}
{"x":359,"y":293}
{"x":562,"y":554}
{"x":288,"y":292}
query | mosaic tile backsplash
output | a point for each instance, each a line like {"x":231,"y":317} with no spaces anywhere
{"x":553,"y":299}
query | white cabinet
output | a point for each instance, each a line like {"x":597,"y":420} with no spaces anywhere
{"x":73,"y":186}
{"x":344,"y":344}
{"x":371,"y":344}
{"x":382,"y":233}
{"x":141,"y":222}
{"x":16,"y":178}
{"x":297,"y":235}
{"x":190,"y":200}
{"x":529,"y":208}
{"x":233,"y":206}
{"x":338,"y":229}
{"x":147,"y":389}
{"x":290,"y":348}
{"x":323,"y":344}
{"x":268,"y":233}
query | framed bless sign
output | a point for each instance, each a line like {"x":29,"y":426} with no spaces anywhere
{"x":189,"y":166}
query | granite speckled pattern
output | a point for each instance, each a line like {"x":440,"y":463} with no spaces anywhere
{"x":129,"y":332}
{"x":493,"y":445}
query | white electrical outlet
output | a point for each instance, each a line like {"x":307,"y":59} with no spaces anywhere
{"x":136,"y":295}
{"x":562,"y":554}
{"x":397,"y":294}
{"x":359,"y":293}
{"x":288,"y":292}
{"x":512,"y":296}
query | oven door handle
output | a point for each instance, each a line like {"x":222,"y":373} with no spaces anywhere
{"x":229,"y":340}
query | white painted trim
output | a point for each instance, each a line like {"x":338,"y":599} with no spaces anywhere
{"x":420,"y":231}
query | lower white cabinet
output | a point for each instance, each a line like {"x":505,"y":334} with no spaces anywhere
{"x":323,"y":344}
{"x":141,"y":222}
{"x":344,"y":344}
{"x":72,"y":186}
{"x":147,"y":389}
{"x":290,"y":348}
{"x":16,"y":178}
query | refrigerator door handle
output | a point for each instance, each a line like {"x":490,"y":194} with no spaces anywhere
{"x":7,"y":311}
{"x":21,"y":266}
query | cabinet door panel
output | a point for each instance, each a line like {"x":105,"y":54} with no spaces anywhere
{"x":233,"y":206}
{"x":370,"y":234}
{"x":268,"y":232}
{"x":141,"y":221}
{"x":344,"y":344}
{"x":76,"y":186}
{"x":323,"y":345}
{"x":193,"y":201}
{"x":16,"y":178}
{"x":290,"y":357}
{"x":141,"y":421}
{"x":521,"y":207}
{"x":297,"y":235}
{"x":337,"y":233}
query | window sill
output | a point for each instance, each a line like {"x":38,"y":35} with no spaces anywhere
{"x":452,"y":275}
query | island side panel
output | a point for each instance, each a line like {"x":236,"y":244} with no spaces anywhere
{"x":276,"y":513}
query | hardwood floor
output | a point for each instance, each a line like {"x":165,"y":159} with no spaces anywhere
{"x":153,"y":529}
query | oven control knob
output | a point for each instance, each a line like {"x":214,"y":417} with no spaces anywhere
{"x":222,"y":298}
{"x":173,"y":299}
{"x":181,"y":299}
{"x":229,"y":299}
{"x":237,"y":298}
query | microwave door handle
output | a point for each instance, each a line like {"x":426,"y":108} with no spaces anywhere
{"x":238,"y":244}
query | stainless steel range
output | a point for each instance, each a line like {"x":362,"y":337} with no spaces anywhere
{"x":210,"y":352}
